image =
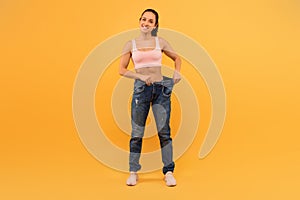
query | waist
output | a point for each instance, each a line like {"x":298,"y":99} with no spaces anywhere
{"x":164,"y":81}
{"x":153,"y":72}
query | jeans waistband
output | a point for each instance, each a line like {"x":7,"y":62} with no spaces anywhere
{"x":167,"y":81}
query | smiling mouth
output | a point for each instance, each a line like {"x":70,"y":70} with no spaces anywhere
{"x":145,"y":28}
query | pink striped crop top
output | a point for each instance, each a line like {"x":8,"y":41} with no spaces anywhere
{"x":151,"y":58}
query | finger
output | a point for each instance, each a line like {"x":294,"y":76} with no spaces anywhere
{"x":176,"y":81}
{"x":148,"y":82}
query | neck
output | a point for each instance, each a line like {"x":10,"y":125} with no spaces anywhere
{"x":145,"y":36}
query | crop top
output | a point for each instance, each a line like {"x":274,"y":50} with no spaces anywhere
{"x":150,"y":58}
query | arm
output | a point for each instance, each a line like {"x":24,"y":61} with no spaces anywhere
{"x":167,"y":49}
{"x":125,"y":59}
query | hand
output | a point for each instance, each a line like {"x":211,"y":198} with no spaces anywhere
{"x":146,"y":78}
{"x":176,"y":77}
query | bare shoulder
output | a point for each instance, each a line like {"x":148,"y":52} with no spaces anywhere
{"x":127,"y":47}
{"x":162,"y":41}
{"x":164,"y":44}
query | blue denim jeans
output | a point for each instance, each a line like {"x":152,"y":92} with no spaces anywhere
{"x":156,"y":95}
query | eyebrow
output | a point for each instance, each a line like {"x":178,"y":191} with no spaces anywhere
{"x":148,"y":18}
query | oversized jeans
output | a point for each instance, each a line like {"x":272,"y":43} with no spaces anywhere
{"x":156,"y":95}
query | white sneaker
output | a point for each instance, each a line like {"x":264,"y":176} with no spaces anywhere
{"x":170,"y":180}
{"x":132,"y":179}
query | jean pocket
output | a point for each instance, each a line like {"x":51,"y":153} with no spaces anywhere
{"x":139,"y":87}
{"x":167,"y":88}
{"x":166,"y":91}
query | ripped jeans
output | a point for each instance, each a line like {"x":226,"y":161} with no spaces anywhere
{"x":156,"y":95}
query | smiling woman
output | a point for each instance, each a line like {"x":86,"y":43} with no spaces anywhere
{"x":148,"y":15}
{"x":151,"y":88}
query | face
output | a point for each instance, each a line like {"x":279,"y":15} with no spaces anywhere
{"x":147,"y":22}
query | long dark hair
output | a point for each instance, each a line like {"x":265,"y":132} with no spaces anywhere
{"x":154,"y":31}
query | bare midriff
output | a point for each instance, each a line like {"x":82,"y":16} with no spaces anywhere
{"x":153,"y":72}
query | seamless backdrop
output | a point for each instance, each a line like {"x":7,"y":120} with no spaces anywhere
{"x":255,"y":45}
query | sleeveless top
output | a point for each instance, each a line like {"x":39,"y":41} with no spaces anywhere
{"x":151,"y":58}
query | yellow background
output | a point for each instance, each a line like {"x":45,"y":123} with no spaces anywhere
{"x":255,"y":45}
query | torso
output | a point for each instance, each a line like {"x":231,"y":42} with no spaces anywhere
{"x":155,"y":71}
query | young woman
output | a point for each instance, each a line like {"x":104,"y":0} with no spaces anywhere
{"x":151,"y":88}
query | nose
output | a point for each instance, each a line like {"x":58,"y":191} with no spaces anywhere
{"x":146,"y":23}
